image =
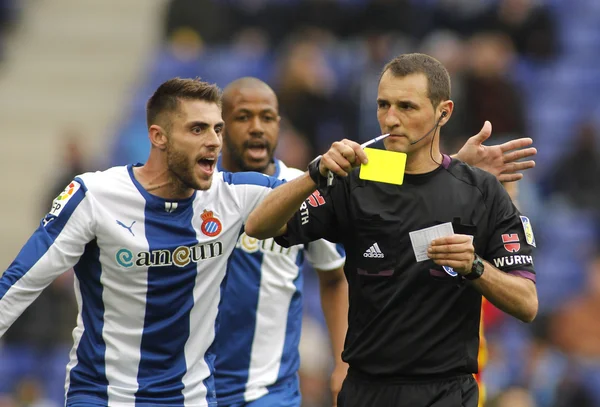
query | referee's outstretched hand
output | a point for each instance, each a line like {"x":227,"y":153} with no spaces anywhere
{"x":454,"y":251}
{"x":342,"y":157}
{"x":502,"y":160}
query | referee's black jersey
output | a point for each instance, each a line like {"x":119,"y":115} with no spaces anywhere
{"x":409,"y":318}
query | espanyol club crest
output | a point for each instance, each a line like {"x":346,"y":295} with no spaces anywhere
{"x":211,"y":226}
{"x":450,"y":271}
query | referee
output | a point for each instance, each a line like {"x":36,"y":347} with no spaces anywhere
{"x":413,"y":331}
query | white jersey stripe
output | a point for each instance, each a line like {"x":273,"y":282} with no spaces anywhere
{"x":122,"y":332}
{"x":273,"y":305}
{"x":202,"y":318}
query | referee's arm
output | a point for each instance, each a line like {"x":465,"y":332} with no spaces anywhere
{"x":512,"y":294}
{"x":270,"y":218}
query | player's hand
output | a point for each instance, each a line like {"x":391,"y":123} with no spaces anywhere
{"x":501,"y":160}
{"x":342,"y":157}
{"x":454,"y":251}
{"x":337,"y":379}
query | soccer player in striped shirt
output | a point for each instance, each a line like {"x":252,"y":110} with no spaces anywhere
{"x":260,"y":316}
{"x":149,"y":245}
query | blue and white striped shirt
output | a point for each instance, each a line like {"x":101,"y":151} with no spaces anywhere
{"x":260,"y":316}
{"x":149,"y":275}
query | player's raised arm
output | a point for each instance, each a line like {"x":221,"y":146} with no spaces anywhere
{"x":54,"y":248}
{"x":270,"y":217}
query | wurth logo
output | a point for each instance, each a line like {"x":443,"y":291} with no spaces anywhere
{"x":511,"y":242}
{"x":316,"y":199}
{"x":508,"y":261}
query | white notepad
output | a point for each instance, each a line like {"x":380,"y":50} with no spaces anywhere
{"x":421,"y":239}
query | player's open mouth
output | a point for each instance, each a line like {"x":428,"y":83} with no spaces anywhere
{"x":257,"y":151}
{"x":207,"y":165}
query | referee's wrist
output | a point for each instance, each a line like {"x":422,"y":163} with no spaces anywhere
{"x":477,"y":269}
{"x":315,"y":173}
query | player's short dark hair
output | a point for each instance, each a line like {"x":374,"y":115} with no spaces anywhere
{"x":438,"y":78}
{"x":168,"y":95}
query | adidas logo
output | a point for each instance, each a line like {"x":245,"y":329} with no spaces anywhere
{"x":373,"y":252}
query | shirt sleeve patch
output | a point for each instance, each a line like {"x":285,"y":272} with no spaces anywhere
{"x":65,"y":196}
{"x":529,"y":238}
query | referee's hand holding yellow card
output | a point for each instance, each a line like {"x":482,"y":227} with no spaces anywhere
{"x":376,"y":165}
{"x":383,"y":166}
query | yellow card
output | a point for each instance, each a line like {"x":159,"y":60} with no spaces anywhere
{"x":384,"y":166}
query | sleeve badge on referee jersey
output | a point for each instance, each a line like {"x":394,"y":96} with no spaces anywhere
{"x":529,"y":238}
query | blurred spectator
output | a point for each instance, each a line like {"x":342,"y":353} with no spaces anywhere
{"x":576,"y":330}
{"x":489,"y":93}
{"x":325,"y":15}
{"x":185,"y":44}
{"x":72,"y":164}
{"x":306,"y":90}
{"x":576,"y":176}
{"x":211,"y":20}
{"x":378,"y":49}
{"x":30,"y":394}
{"x":389,"y":17}
{"x":575,"y":327}
{"x":514,"y":397}
{"x":460,"y":16}
{"x":275,"y":18}
{"x":549,"y":374}
{"x":292,"y":148}
{"x":544,"y":365}
{"x":570,"y":392}
{"x":529,"y":24}
{"x":7,"y":401}
{"x":451,"y":51}
{"x":315,"y":365}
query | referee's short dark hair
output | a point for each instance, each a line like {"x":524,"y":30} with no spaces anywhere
{"x":166,"y":98}
{"x":438,"y":78}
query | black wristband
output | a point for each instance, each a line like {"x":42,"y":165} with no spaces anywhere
{"x":315,"y":174}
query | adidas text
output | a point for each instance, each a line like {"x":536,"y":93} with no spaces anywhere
{"x":373,"y":252}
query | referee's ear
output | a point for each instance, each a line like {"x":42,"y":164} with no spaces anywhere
{"x":445,"y":110}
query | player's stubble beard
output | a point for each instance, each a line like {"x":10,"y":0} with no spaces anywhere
{"x":182,"y":169}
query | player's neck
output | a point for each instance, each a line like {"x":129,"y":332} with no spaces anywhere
{"x":420,"y":161}
{"x":270,"y":170}
{"x":161,"y":183}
